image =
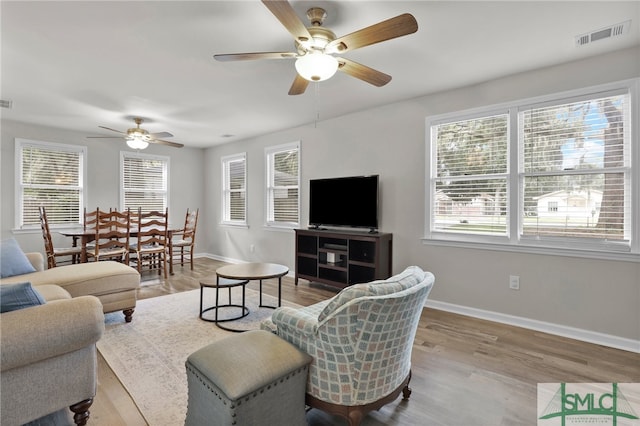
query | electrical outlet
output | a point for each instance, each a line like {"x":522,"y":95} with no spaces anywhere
{"x":514,"y":282}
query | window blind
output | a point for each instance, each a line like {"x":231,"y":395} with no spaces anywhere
{"x":144,"y":182}
{"x":50,"y":176}
{"x":234,"y":169}
{"x":283,"y":185}
{"x":575,"y":169}
{"x":471,"y":175}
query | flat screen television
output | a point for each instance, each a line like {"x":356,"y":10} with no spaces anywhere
{"x":344,"y":202}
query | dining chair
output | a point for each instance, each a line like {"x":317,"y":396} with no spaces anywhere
{"x":182,"y":247}
{"x":150,"y":252}
{"x":112,"y":236}
{"x":55,"y":252}
{"x":90,"y":219}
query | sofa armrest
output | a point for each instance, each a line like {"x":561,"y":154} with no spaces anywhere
{"x":37,"y":333}
{"x":289,"y":318}
{"x":36,"y":259}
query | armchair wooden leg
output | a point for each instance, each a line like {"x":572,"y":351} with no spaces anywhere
{"x":128,"y":314}
{"x":406,"y":390}
{"x":81,"y":411}
{"x":355,"y":418}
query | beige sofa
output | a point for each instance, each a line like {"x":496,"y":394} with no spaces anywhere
{"x":115,"y":284}
{"x":49,"y":357}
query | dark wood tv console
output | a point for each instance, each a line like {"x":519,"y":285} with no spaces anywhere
{"x":342,"y":258}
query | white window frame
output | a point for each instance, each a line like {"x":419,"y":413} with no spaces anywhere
{"x":226,"y":162}
{"x":512,"y":242}
{"x":20,"y":145}
{"x":164,"y":191}
{"x":270,"y":189}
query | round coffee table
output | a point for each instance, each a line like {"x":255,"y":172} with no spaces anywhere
{"x":218,"y":283}
{"x":255,"y":271}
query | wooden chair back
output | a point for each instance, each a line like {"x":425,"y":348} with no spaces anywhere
{"x":46,"y":235}
{"x":182,"y":248}
{"x":112,"y":236}
{"x":190,"y":225}
{"x":150,"y":250}
{"x":71,"y":253}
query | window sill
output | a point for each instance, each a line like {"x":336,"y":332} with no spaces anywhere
{"x":542,"y":250}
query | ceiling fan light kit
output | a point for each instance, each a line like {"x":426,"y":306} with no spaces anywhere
{"x":316,"y":66}
{"x":136,"y":143}
{"x":316,"y":45}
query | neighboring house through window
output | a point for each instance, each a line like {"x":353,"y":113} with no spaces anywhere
{"x":283,"y":183}
{"x":234,"y":189}
{"x":553,"y":172}
{"x":50,"y":175}
{"x":144,"y":182}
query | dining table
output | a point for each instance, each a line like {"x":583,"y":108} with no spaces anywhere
{"x":85,"y":236}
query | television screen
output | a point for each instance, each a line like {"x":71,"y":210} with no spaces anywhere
{"x":346,"y":201}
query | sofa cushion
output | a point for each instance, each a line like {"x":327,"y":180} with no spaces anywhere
{"x":407,"y":278}
{"x":19,"y":296}
{"x":13,"y":261}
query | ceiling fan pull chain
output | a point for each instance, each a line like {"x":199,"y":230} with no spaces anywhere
{"x":316,"y":101}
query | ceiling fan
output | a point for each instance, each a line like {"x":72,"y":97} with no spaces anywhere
{"x":316,"y":46}
{"x":139,"y":138}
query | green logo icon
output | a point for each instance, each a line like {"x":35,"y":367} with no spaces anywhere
{"x":584,"y":404}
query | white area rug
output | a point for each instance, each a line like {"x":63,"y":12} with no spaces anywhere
{"x":148,"y":354}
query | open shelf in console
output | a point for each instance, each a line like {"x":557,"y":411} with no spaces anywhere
{"x":342,"y":258}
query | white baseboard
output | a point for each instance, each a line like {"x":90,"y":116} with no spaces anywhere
{"x":230,"y":260}
{"x":545,"y":327}
{"x":531,"y":324}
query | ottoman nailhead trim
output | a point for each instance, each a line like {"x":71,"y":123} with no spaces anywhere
{"x":234,"y":404}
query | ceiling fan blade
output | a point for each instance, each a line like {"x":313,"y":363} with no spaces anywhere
{"x":252,"y":56}
{"x":287,"y":17}
{"x":363,"y":72}
{"x":299,"y":85}
{"x":161,"y":135}
{"x":113,"y":130}
{"x":105,"y":137}
{"x":399,"y":26}
{"x":161,"y":142}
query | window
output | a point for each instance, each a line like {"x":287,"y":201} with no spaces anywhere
{"x":555,"y":172}
{"x":234,"y":189}
{"x":50,"y":175}
{"x":283,"y":181}
{"x":144,"y":182}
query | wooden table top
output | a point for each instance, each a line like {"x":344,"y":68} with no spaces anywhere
{"x":252,"y":271}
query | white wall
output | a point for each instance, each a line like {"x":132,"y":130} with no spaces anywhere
{"x":103,"y":156}
{"x":595,"y":295}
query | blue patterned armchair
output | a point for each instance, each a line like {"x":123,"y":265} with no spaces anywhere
{"x":360,"y":341}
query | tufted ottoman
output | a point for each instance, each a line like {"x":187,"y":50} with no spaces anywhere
{"x":247,"y":379}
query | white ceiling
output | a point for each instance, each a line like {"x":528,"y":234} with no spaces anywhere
{"x":80,"y":64}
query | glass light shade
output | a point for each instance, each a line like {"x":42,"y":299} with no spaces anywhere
{"x":316,"y":66}
{"x":136,"y":143}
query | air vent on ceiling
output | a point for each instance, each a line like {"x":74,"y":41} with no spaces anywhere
{"x":603,"y":33}
{"x":6,"y":104}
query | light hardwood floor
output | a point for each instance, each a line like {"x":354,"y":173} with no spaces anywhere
{"x":464,"y":369}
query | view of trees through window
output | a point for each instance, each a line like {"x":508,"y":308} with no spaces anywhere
{"x":571,"y":172}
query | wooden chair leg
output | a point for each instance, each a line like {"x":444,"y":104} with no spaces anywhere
{"x":81,"y":411}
